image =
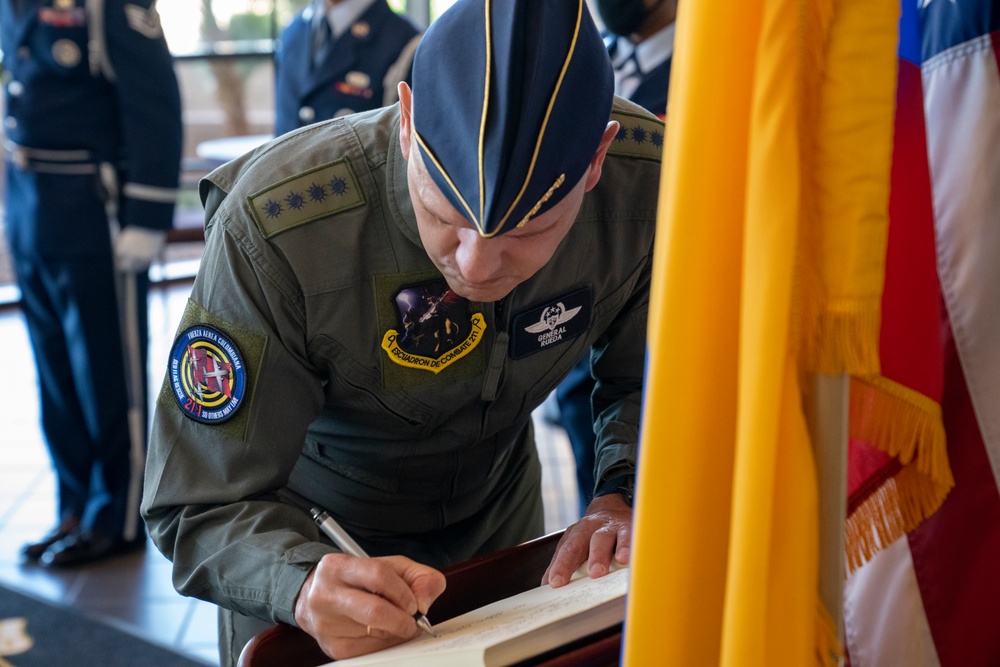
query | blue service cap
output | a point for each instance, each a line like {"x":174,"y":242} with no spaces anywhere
{"x":510,"y":100}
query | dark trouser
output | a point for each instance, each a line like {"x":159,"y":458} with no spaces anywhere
{"x":577,"y":416}
{"x":58,"y":234}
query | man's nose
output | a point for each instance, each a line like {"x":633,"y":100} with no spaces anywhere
{"x":477,"y":258}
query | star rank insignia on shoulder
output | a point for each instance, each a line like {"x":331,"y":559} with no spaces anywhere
{"x":326,"y":190}
{"x":638,"y":137}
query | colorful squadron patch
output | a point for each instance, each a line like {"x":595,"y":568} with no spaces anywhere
{"x":207,"y":374}
{"x":435,"y":329}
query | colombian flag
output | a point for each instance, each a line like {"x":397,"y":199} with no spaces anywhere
{"x":769,"y":270}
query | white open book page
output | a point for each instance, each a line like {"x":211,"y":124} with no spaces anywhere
{"x":513,"y":629}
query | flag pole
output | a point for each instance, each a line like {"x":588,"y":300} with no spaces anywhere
{"x":826,"y":411}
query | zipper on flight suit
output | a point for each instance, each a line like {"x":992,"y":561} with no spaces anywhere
{"x":491,"y":384}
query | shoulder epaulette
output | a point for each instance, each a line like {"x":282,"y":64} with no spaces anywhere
{"x":640,"y":136}
{"x":320,"y":192}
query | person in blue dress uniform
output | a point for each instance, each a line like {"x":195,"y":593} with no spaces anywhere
{"x":92,"y":152}
{"x":339,"y":57}
{"x":640,"y":40}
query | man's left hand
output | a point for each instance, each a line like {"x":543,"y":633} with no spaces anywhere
{"x":604,"y":532}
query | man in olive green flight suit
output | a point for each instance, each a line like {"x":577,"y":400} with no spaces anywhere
{"x":383,"y":301}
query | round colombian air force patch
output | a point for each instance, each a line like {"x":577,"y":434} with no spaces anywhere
{"x":208,"y":376}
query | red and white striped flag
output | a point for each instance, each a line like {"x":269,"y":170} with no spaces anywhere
{"x":930,"y":597}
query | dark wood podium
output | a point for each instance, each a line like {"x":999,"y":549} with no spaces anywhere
{"x":470,"y":585}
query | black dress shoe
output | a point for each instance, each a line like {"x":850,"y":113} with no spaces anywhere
{"x":81,"y":548}
{"x":34,"y":550}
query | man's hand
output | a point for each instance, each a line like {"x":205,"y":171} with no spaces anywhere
{"x":353,"y":606}
{"x":605,"y":531}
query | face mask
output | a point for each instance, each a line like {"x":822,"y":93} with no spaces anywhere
{"x":622,"y":17}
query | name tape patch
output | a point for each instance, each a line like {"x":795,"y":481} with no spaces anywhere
{"x":208,"y":376}
{"x":558,"y":321}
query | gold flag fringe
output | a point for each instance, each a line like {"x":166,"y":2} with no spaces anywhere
{"x":906,"y":425}
{"x":846,"y":340}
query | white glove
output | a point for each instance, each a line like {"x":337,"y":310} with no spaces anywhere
{"x":137,"y":247}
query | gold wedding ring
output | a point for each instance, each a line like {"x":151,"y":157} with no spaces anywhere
{"x":368,"y":631}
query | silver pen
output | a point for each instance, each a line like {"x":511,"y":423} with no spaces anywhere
{"x":346,"y":543}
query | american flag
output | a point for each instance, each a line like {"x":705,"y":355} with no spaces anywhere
{"x":930,"y":597}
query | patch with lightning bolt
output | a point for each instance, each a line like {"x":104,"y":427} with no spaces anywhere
{"x":208,"y":376}
{"x":435,"y":328}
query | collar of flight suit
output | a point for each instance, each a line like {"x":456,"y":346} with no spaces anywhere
{"x":400,"y":204}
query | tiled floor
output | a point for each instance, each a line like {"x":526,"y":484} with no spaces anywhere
{"x":134,"y":592}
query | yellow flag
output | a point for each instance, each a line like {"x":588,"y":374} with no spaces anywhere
{"x":769,"y":266}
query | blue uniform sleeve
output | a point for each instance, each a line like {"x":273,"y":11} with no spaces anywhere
{"x":149,"y":104}
{"x":288,"y":82}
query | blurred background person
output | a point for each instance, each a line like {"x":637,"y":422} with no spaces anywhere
{"x":639,"y":35}
{"x":338,"y":57}
{"x":640,"y":40}
{"x":92,"y":152}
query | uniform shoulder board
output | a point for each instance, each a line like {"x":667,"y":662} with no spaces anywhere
{"x":640,"y":135}
{"x":323,"y":191}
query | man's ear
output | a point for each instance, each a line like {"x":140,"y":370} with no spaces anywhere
{"x":597,"y":163}
{"x":405,"y":117}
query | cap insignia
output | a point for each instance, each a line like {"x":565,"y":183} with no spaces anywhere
{"x":545,"y":198}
